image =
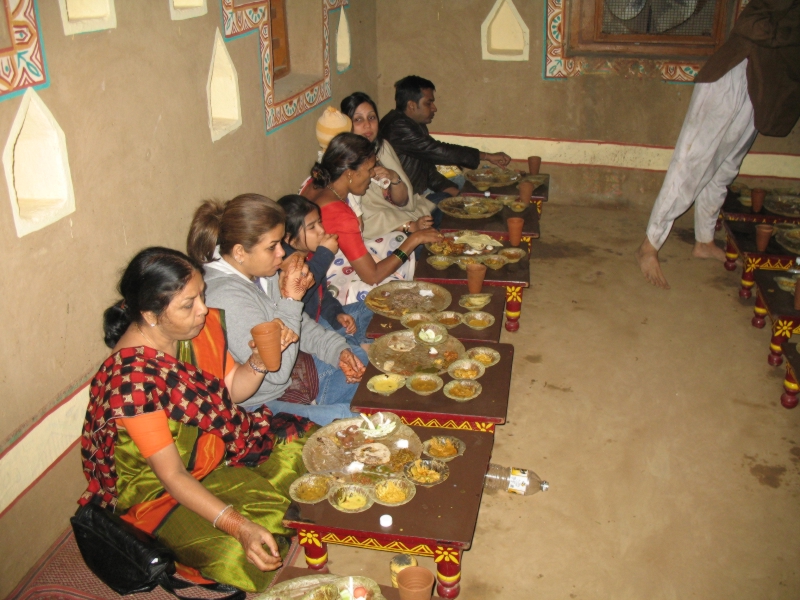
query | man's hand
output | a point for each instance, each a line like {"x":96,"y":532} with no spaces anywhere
{"x":348,"y":322}
{"x":501,"y":159}
{"x":351,"y":366}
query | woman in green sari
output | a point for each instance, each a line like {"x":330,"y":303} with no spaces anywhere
{"x":164,"y":443}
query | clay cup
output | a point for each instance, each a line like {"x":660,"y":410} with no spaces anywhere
{"x":757,"y":196}
{"x":475,"y":275}
{"x":267,"y":337}
{"x":415,"y":583}
{"x":796,"y":296}
{"x":525,"y":191}
{"x":515,"y":230}
{"x":534,"y":164}
{"x":763,"y":233}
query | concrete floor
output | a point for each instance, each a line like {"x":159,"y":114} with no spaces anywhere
{"x":674,"y":471}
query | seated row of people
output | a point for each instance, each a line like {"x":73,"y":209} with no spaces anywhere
{"x":187,"y":435}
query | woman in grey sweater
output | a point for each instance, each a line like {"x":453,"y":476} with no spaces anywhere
{"x":240,"y":244}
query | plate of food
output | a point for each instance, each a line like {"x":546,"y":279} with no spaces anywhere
{"x":420,"y":359}
{"x":324,"y":587}
{"x":474,"y":301}
{"x":462,"y":390}
{"x":443,"y":447}
{"x":427,"y":472}
{"x":789,"y":239}
{"x":398,"y":298}
{"x":394,"y":491}
{"x":344,"y":447}
{"x":785,"y":205}
{"x":311,"y":488}
{"x":488,"y":176}
{"x":350,"y":498}
{"x":488,"y":357}
{"x":464,"y":243}
{"x":469,"y":207}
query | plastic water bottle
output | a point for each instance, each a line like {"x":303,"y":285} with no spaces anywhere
{"x":513,"y":480}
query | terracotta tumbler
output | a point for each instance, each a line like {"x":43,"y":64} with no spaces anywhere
{"x":415,"y":583}
{"x":475,"y":275}
{"x":757,"y":195}
{"x":515,"y":230}
{"x":534,"y":164}
{"x":763,"y":233}
{"x":525,"y":191}
{"x":267,"y":337}
{"x":796,"y":296}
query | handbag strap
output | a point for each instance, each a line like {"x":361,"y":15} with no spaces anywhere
{"x":172,"y":583}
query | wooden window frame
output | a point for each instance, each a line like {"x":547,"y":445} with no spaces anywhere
{"x":584,"y":35}
{"x":279,"y":32}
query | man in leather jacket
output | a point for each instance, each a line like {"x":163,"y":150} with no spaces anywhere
{"x":405,"y":128}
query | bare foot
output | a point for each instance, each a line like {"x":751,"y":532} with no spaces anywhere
{"x":647,"y":257}
{"x":708,"y":250}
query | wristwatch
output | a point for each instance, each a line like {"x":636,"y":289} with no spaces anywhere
{"x":396,"y":182}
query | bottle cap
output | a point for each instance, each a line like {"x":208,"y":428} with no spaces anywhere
{"x":545,"y":486}
{"x":386,"y":520}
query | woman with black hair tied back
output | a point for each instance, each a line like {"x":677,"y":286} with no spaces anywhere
{"x":389,"y":203}
{"x":347,"y":167}
{"x":164,"y":443}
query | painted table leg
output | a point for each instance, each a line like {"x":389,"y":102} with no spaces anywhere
{"x":775,"y":357}
{"x":760,"y":312}
{"x":316,"y":550}
{"x":718,"y":224}
{"x":731,"y":254}
{"x":448,"y":571}
{"x":789,"y":397}
{"x":748,"y":279}
{"x":513,"y":307}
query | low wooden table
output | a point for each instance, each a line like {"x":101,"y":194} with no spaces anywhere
{"x":381,"y":325}
{"x":733,"y":210}
{"x":778,"y":305}
{"x":514,"y":277}
{"x":495,"y":226}
{"x":437,"y":410}
{"x":289,"y":573}
{"x":741,"y":240}
{"x":540,"y":194}
{"x":438,"y":522}
{"x":789,"y":396}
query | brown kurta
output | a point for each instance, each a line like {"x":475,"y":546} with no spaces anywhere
{"x":767,"y":34}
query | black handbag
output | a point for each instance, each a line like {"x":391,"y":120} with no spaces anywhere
{"x":128,"y":560}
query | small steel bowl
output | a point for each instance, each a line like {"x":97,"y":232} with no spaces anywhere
{"x":424,"y":377}
{"x":466,"y":363}
{"x":406,"y":485}
{"x":398,"y":379}
{"x":476,"y":389}
{"x":460,"y":447}
{"x":310,"y":479}
{"x":439,"y":332}
{"x":484,"y":351}
{"x":440,"y":263}
{"x":428,"y":463}
{"x":450,"y":316}
{"x":477,"y":315}
{"x":338,"y":493}
{"x":411,"y":320}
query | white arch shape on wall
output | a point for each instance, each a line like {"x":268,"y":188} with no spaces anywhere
{"x":36,"y":165}
{"x":187,"y":9}
{"x":504,"y":35}
{"x":83,"y":16}
{"x":343,"y":46}
{"x":222,"y":90}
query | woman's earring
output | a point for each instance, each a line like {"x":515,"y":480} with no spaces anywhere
{"x":152,"y":324}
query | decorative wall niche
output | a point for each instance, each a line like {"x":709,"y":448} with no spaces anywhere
{"x":83,"y":16}
{"x":22,"y":62}
{"x":504,"y":35}
{"x":187,"y":9}
{"x":343,"y":43}
{"x":224,"y":105}
{"x":309,"y":83}
{"x":37,"y":167}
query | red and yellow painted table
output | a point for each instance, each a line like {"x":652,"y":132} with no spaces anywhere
{"x":733,"y":210}
{"x":495,"y":226}
{"x":778,"y":305}
{"x":482,"y":414}
{"x":741,"y":238}
{"x":514,"y":277}
{"x":439,"y":522}
{"x":380,"y":325}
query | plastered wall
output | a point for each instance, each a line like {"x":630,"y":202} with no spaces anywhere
{"x":132,"y":104}
{"x":440,"y":40}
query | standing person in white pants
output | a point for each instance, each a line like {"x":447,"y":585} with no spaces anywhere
{"x":751,"y":85}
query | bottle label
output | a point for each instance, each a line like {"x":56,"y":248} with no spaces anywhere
{"x":518,"y":481}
